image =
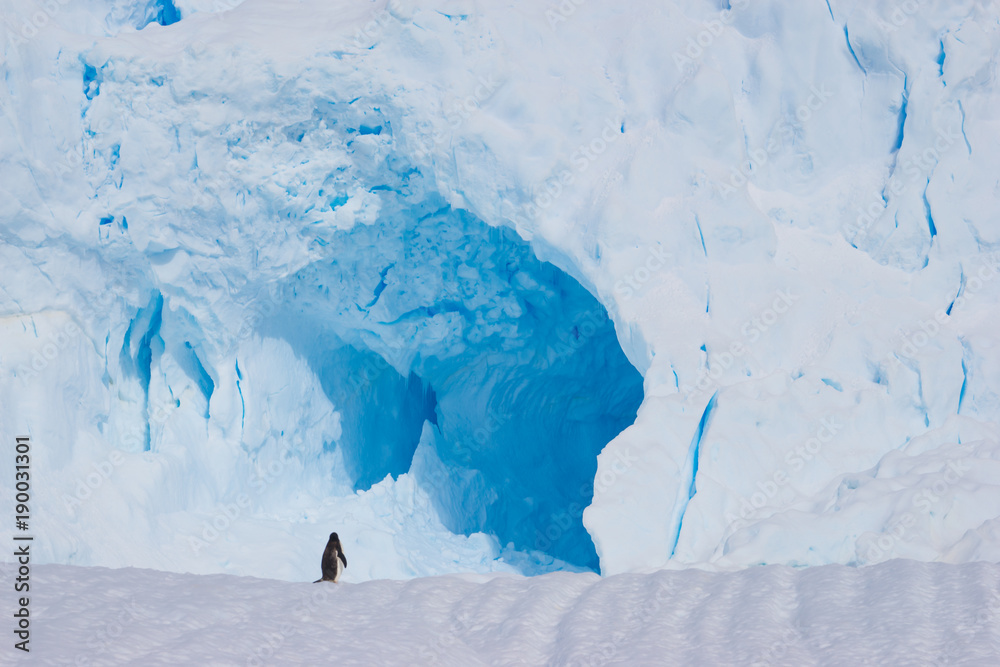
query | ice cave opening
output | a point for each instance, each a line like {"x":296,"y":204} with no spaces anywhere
{"x":429,"y":315}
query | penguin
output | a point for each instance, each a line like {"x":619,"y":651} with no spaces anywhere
{"x":333,"y":555}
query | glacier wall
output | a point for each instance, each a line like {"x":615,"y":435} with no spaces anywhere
{"x":396,"y":268}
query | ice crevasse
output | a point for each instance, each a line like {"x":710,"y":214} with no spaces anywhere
{"x":503,"y":287}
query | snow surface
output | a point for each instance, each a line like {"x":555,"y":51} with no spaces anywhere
{"x":502,"y":286}
{"x":897,"y":613}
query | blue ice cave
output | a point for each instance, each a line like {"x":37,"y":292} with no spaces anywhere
{"x":430,"y":315}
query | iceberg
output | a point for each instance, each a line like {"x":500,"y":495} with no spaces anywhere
{"x":501,"y":289}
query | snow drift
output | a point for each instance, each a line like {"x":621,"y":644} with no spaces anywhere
{"x":902,"y":612}
{"x":503,"y":288}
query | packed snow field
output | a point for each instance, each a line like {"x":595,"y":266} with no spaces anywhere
{"x":895,"y":613}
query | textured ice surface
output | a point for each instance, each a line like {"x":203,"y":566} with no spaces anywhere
{"x":274,"y":269}
{"x":898,"y":613}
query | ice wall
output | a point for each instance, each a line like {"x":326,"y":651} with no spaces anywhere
{"x":289,"y":309}
{"x":231,"y":226}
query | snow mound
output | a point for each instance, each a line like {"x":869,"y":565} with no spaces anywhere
{"x":895,"y":613}
{"x":510,"y":286}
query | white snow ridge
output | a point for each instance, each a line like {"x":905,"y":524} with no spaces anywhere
{"x":659,"y":332}
{"x":897,"y":613}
